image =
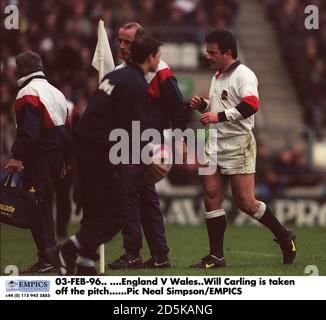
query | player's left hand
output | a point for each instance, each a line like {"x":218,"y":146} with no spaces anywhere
{"x":209,"y":117}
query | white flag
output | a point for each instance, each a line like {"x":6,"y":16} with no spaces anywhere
{"x":102,"y":59}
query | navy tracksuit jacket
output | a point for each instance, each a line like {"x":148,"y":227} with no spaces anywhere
{"x":42,"y":144}
{"x":166,"y":110}
{"x":120,"y":99}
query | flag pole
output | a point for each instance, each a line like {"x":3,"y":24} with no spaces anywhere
{"x":104,"y":63}
{"x":101,"y":74}
{"x":100,"y":77}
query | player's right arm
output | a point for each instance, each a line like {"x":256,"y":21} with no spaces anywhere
{"x":199,"y":103}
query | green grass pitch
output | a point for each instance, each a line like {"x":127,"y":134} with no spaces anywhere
{"x":249,"y":250}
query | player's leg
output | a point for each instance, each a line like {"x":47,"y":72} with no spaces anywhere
{"x":153,"y":228}
{"x":131,"y":227}
{"x":70,"y":250}
{"x":43,"y":174}
{"x":104,"y":195}
{"x":215,"y":186}
{"x":243,"y":194}
{"x":63,"y":205}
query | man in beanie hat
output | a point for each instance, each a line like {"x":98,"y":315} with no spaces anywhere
{"x":40,"y":147}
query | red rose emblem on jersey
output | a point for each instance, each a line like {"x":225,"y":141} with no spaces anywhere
{"x":224,"y":95}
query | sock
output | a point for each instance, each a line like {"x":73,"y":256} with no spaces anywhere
{"x":85,"y":262}
{"x":216,"y":225}
{"x":265,"y":216}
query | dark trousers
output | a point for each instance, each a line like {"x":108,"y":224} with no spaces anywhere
{"x":145,"y":213}
{"x":103,"y":197}
{"x":43,"y":173}
{"x":63,"y":204}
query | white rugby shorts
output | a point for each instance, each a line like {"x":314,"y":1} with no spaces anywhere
{"x":233,"y":155}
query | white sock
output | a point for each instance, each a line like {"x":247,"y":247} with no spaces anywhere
{"x":260,"y":212}
{"x":85,"y":262}
{"x":214,"y":213}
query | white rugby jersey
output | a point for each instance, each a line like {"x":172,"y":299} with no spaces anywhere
{"x":234,"y":96}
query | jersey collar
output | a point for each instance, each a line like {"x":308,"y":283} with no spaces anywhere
{"x":232,"y":67}
{"x":22,"y":82}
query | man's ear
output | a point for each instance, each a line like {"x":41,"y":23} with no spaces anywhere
{"x":229,"y":52}
{"x":149,"y":58}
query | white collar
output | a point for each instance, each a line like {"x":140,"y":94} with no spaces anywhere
{"x":21,"y":80}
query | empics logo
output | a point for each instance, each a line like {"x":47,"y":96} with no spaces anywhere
{"x":28,"y":286}
{"x":12,"y":284}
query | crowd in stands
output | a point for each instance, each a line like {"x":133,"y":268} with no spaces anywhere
{"x":276,"y":172}
{"x":305,"y":54}
{"x":64,"y":32}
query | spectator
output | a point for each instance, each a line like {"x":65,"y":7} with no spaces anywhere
{"x":266,"y":179}
{"x":308,"y":69}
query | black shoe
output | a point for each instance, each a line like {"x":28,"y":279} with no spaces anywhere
{"x":86,"y":271}
{"x":127,"y":261}
{"x":288,"y":247}
{"x":157,"y":262}
{"x":63,"y":259}
{"x":40,"y":267}
{"x":209,"y":262}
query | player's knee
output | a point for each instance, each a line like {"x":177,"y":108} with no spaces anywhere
{"x":246,"y":204}
{"x":213,"y":200}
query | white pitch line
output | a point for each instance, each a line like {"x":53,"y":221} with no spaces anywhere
{"x":251,"y":253}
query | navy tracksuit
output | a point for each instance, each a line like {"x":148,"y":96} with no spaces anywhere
{"x":120,"y":99}
{"x":42,"y":144}
{"x":63,"y":199}
{"x":145,"y":213}
{"x":166,"y":110}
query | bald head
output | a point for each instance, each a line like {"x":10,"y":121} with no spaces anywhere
{"x":138,"y":28}
{"x":127,"y":34}
{"x":28,"y":62}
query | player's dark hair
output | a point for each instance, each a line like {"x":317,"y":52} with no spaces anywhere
{"x":225,"y":40}
{"x":140,"y":31}
{"x":142,"y":47}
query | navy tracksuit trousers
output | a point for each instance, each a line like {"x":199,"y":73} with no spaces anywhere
{"x":145,"y":213}
{"x":43,"y":173}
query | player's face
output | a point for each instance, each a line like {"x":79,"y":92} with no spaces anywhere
{"x":154,"y":61}
{"x":217,"y":60}
{"x":126,"y":37}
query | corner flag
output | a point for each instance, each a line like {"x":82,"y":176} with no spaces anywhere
{"x":102,"y":59}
